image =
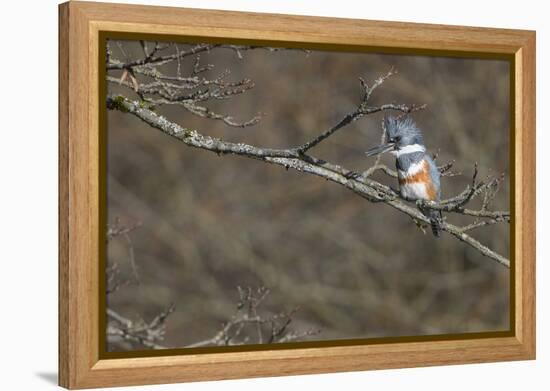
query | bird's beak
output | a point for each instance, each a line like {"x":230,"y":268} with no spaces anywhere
{"x":380,"y":149}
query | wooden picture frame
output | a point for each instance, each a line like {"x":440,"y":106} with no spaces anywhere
{"x":80,"y":361}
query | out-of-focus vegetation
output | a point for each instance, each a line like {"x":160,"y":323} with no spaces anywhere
{"x":355,"y":269}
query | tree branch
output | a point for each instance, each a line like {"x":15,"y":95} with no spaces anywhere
{"x":142,"y":333}
{"x":158,"y":60}
{"x":247,"y":320}
{"x":297,"y":159}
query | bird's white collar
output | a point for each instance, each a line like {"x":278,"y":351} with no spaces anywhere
{"x":409,"y":149}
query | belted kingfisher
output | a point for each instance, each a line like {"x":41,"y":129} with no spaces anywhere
{"x":419,"y":178}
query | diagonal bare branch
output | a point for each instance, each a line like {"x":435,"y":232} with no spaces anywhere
{"x":295,"y":158}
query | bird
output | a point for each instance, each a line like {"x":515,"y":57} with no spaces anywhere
{"x":418,"y":176}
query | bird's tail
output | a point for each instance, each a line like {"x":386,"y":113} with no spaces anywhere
{"x":435,"y":222}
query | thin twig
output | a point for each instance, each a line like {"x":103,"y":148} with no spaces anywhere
{"x":249,"y":317}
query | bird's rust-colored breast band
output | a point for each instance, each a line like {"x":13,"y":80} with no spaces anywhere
{"x":421,"y":177}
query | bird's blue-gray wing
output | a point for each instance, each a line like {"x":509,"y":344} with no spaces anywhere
{"x":436,"y":176}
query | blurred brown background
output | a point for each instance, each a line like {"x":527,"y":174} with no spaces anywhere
{"x":355,"y":269}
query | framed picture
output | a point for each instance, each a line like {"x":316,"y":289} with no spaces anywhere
{"x":247,"y":195}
